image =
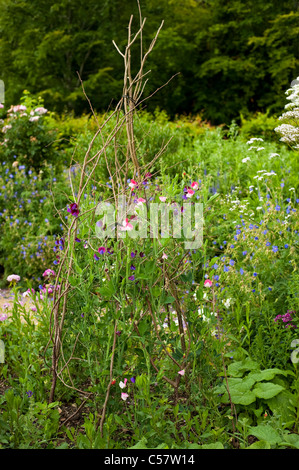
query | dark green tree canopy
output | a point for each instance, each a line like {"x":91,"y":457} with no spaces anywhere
{"x":232,"y":56}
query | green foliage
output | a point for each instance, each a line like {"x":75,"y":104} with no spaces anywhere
{"x":241,"y":55}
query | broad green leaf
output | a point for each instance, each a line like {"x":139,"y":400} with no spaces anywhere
{"x":267,"y":390}
{"x":290,"y":440}
{"x":265,"y":432}
{"x":260,"y":445}
{"x":237,"y":369}
{"x":266,"y":374}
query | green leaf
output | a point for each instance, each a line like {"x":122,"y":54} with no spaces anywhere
{"x":213,"y":445}
{"x":265,"y":432}
{"x":237,"y":369}
{"x":266,"y":374}
{"x":291,"y":440}
{"x":260,"y":445}
{"x":240,"y":391}
{"x":267,"y":390}
{"x":140,"y":444}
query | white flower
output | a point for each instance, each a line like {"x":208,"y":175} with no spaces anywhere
{"x":245,"y":159}
{"x":226,"y":303}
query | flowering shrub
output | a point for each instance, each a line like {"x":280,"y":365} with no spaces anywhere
{"x":26,"y":137}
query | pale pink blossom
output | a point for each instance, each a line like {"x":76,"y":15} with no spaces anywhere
{"x":126,"y":225}
{"x":3,"y":317}
{"x":181,"y":372}
{"x":124,"y":396}
{"x":162,"y":198}
{"x":13,"y":278}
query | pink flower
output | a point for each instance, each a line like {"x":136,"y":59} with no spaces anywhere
{"x":5,"y":306}
{"x":1,"y":105}
{"x":40,"y":110}
{"x":123,"y":384}
{"x":126,"y":226}
{"x":33,"y":308}
{"x":208,"y":283}
{"x":34,"y":118}
{"x":181,"y":372}
{"x":133,"y":184}
{"x":102,"y":250}
{"x":124,"y":396}
{"x":162,"y":198}
{"x":3,"y":317}
{"x":164,"y":256}
{"x":195,"y":185}
{"x":190,"y":192}
{"x":13,"y":278}
{"x":49,"y":272}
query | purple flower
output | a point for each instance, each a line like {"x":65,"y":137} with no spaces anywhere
{"x":102,"y":250}
{"x":132,"y":267}
{"x":29,"y":393}
{"x":133,"y":379}
{"x":73,"y":209}
{"x":131,"y":278}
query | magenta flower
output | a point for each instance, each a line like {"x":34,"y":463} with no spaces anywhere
{"x":208,"y":283}
{"x":190,"y":192}
{"x":49,"y":272}
{"x":131,"y":278}
{"x":73,"y":209}
{"x":102,"y":250}
{"x":195,"y":185}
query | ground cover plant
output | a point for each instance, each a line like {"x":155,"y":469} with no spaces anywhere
{"x":119,"y":335}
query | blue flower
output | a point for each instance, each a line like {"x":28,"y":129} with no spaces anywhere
{"x":275,"y":249}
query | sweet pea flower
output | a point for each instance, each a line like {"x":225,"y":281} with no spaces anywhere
{"x":73,"y":209}
{"x":123,"y":384}
{"x":208,"y":283}
{"x":164,"y":256}
{"x":102,"y":250}
{"x":3,"y":317}
{"x":6,"y":306}
{"x":162,"y":198}
{"x":133,"y":184}
{"x":49,"y":272}
{"x":181,"y":372}
{"x":190,"y":192}
{"x":124,"y":396}
{"x":195,"y":185}
{"x":140,"y":200}
{"x":126,"y":226}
